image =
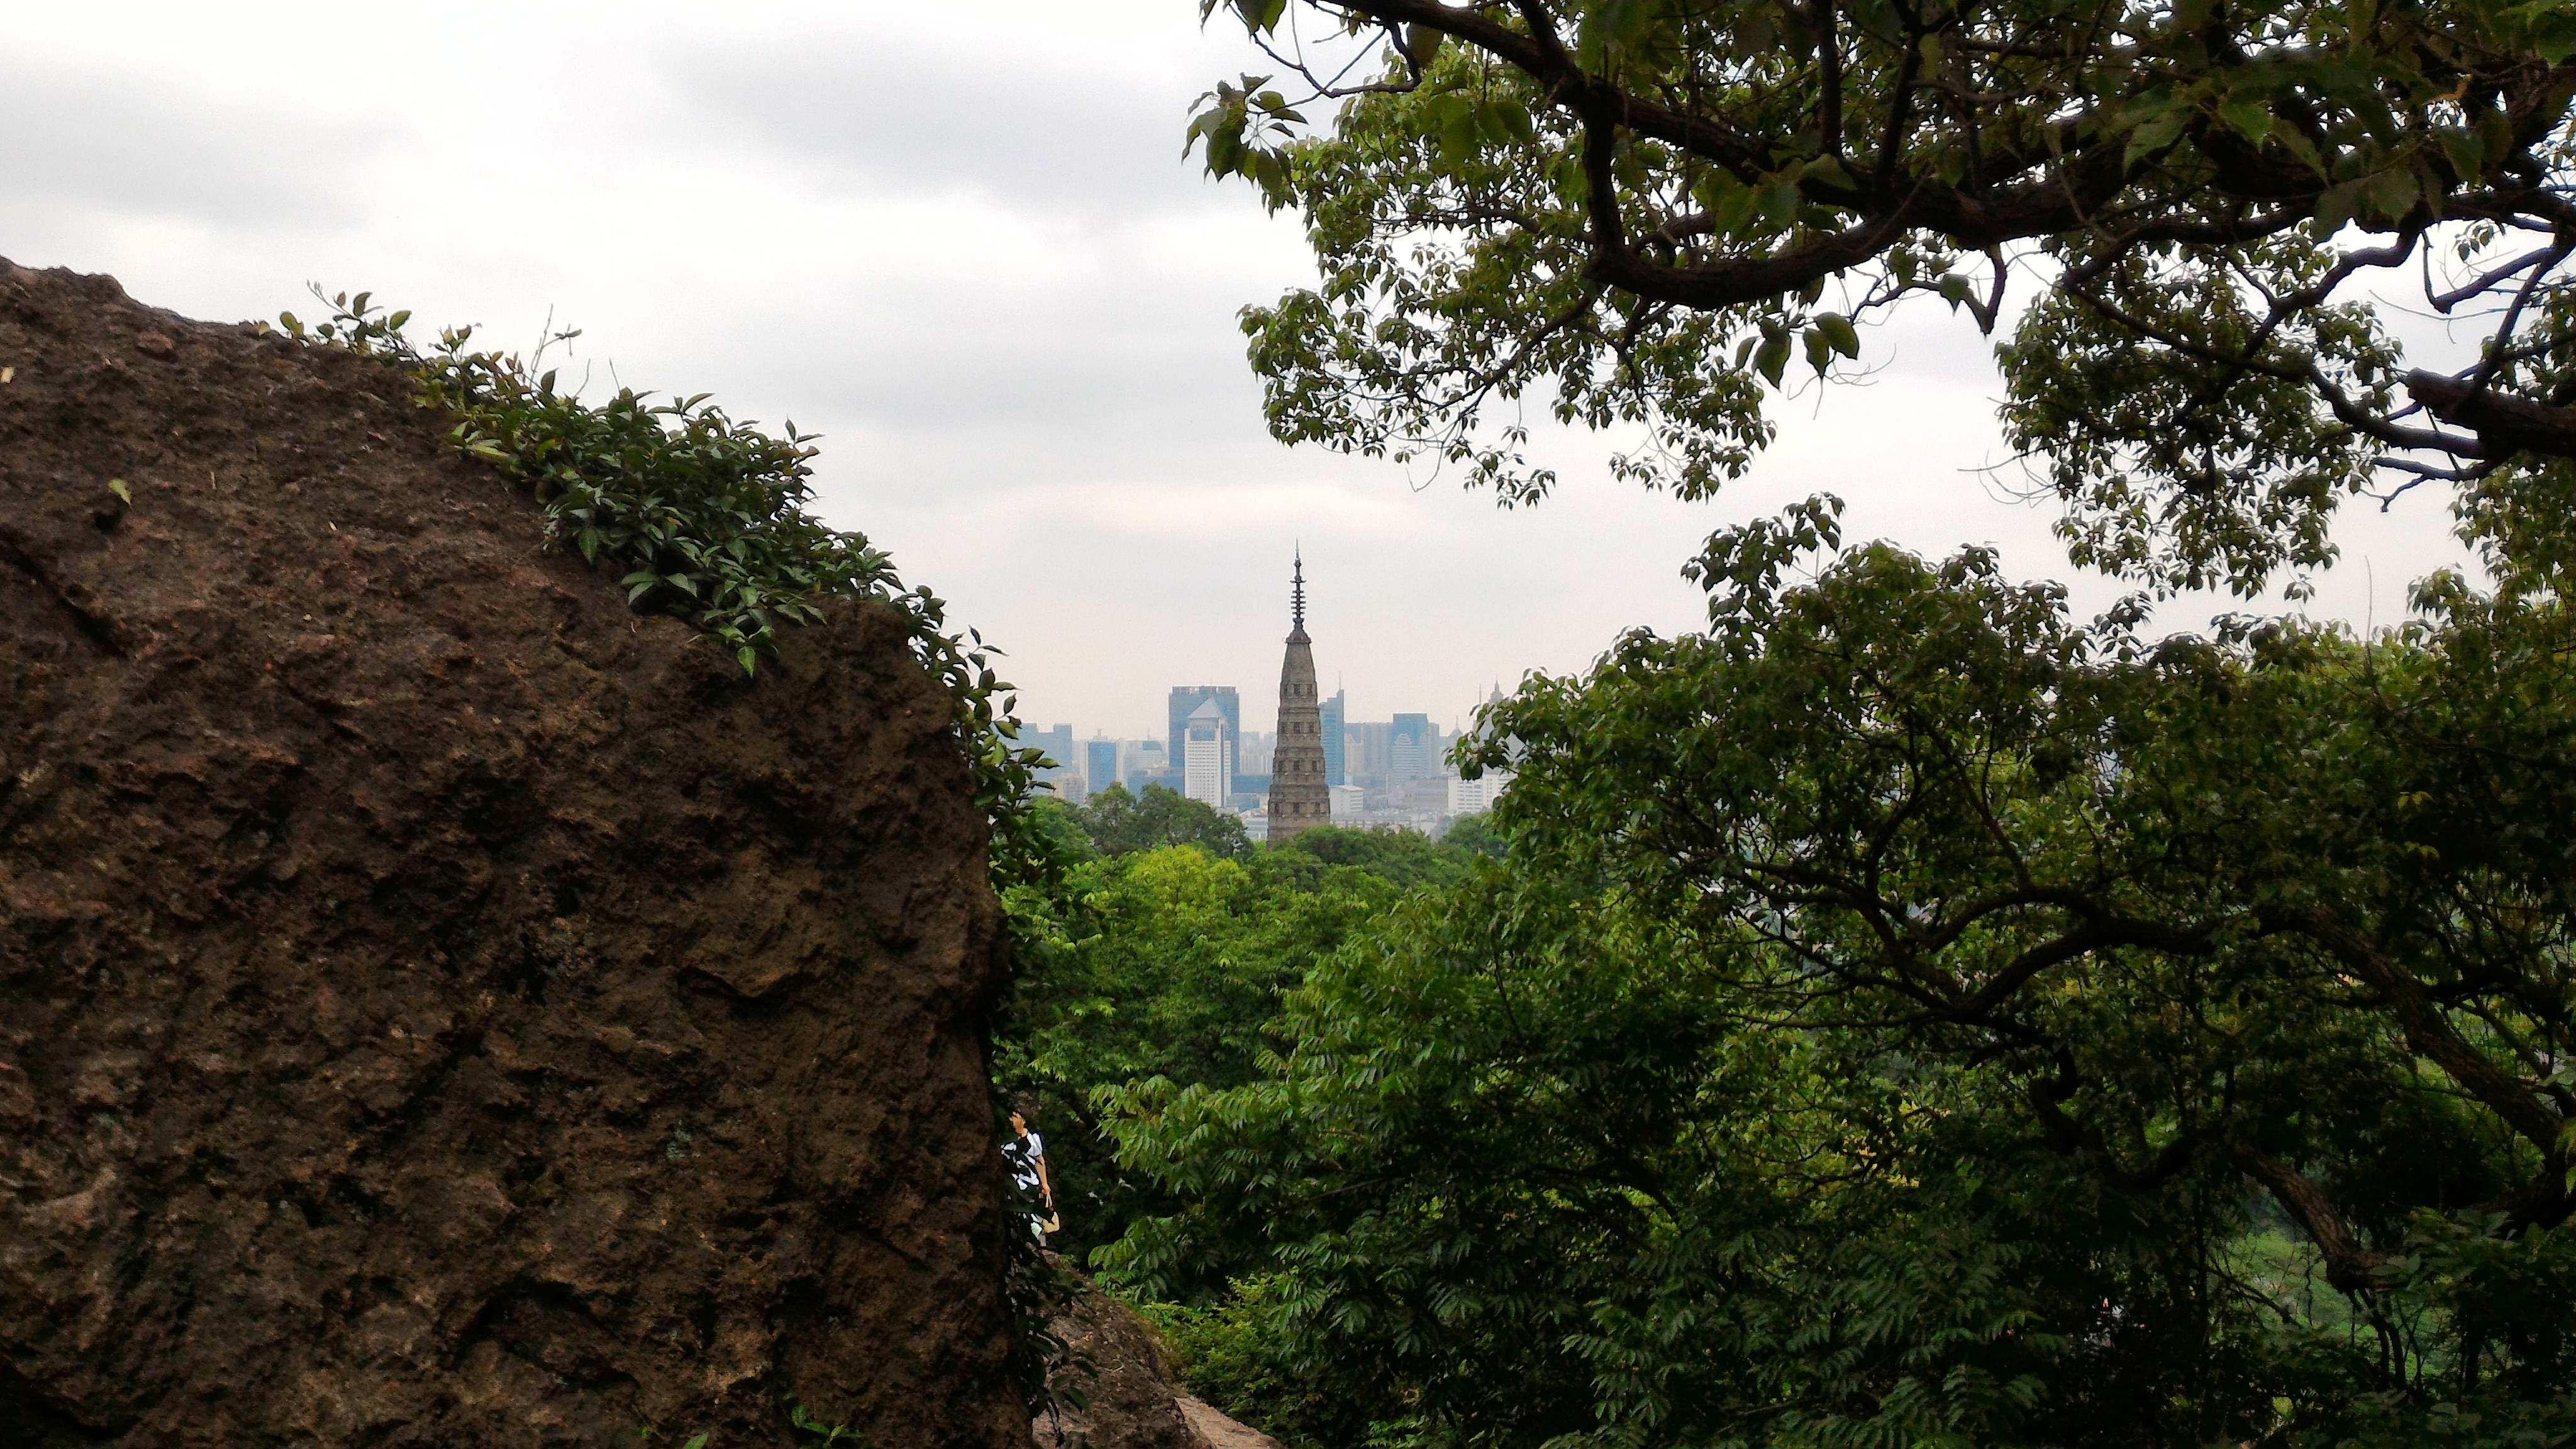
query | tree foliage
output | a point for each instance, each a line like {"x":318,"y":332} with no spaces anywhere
{"x":1122,"y":824}
{"x":1166,"y":959}
{"x":1908,"y":1014}
{"x":1902,"y":1012}
{"x":1404,"y":857}
{"x":1641,"y":212}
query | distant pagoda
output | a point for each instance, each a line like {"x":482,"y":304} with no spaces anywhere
{"x":1299,"y":798}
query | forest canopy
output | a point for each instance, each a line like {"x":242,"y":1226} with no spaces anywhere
{"x":1906,"y":1014}
{"x":2181,"y":218}
{"x":1902,"y":1011}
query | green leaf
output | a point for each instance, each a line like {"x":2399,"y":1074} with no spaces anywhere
{"x":2154,"y":135}
{"x":1838,"y":330}
{"x":118,"y":487}
{"x":2463,"y":150}
{"x":2394,"y":192}
{"x":1728,"y":202}
{"x":1422,"y":45}
{"x":1780,"y":199}
{"x":2336,"y":205}
{"x":2248,"y":119}
{"x":1828,"y":169}
{"x":1773,"y":357}
{"x":2495,"y":135}
{"x":1454,"y":128}
{"x":2295,"y":141}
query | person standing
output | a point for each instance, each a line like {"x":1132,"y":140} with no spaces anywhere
{"x":1025,"y":1156}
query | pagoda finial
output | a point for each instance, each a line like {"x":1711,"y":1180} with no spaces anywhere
{"x":1297,"y":592}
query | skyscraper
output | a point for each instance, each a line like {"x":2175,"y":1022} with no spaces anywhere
{"x":1331,"y":713}
{"x":1145,"y":761}
{"x":1413,"y":749}
{"x":1300,"y":799}
{"x":1100,"y":763}
{"x":1185,"y":701}
{"x":1058,"y":744}
{"x":1369,"y":752}
{"x":1207,"y":755}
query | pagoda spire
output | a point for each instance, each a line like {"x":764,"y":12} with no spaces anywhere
{"x":1300,"y":796}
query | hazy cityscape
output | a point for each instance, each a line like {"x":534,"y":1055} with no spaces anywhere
{"x":1389,"y":774}
{"x":1385,"y":774}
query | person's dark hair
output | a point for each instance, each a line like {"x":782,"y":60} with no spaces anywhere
{"x":1026,"y":1109}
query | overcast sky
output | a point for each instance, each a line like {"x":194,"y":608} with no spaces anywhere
{"x":962,"y":243}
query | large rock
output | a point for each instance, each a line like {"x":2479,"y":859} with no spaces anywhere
{"x":437,"y":1008}
{"x":1116,"y":1388}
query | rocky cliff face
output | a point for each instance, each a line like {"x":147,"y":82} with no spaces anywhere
{"x":436,"y":1007}
{"x":1115,"y":1388}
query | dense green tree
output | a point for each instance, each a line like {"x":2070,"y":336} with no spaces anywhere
{"x":1405,"y":857}
{"x":1909,"y":1015}
{"x":1121,"y":824}
{"x":1170,"y":964}
{"x":1636,"y":212}
{"x":1476,"y":835}
{"x":1904,"y":1013}
{"x":1058,"y":828}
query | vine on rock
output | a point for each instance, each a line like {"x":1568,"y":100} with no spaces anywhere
{"x":704,"y":517}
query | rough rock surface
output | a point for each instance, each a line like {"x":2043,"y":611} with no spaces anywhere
{"x":1116,"y":1363}
{"x":437,"y":1008}
{"x":1220,"y":1432}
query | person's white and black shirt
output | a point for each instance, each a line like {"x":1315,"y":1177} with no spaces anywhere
{"x":1023,"y":1154}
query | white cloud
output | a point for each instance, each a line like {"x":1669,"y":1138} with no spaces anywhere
{"x":129,"y":149}
{"x":962,"y":243}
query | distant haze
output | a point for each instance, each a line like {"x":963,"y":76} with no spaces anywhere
{"x":963,"y":244}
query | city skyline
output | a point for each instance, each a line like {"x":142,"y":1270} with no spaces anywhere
{"x":1172,"y":702}
{"x":1318,"y":768}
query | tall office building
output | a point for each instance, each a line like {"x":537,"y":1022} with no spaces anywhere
{"x":1252,"y":754}
{"x":1207,"y":755}
{"x":1185,"y":701}
{"x":1368,"y":751}
{"x":1100,"y":763}
{"x":1300,"y":797}
{"x":1475,"y":797}
{"x":1412,"y":749}
{"x":1058,"y":744}
{"x":1329,"y":714}
{"x":1145,"y":763}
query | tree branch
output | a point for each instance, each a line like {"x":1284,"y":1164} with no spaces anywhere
{"x":2427,"y":1032}
{"x":2506,"y":424}
{"x":2348,"y":1264}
